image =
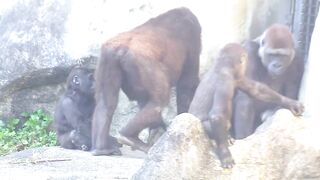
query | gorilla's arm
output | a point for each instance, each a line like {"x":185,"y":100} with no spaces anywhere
{"x":76,"y":132}
{"x":264,"y":93}
{"x":75,"y":119}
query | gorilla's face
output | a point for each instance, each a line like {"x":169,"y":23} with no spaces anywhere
{"x":81,"y":80}
{"x":276,"y":50}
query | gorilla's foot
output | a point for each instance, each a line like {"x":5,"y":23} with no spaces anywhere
{"x":225,"y":157}
{"x":231,"y":140}
{"x":154,"y":135}
{"x":106,"y":152}
{"x":134,"y":142}
{"x":114,"y":142}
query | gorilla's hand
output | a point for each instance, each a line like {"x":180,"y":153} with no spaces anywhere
{"x":296,"y":107}
{"x":81,"y":142}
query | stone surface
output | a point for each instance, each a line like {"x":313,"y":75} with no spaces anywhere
{"x":33,"y":62}
{"x":252,"y":17}
{"x":31,"y":38}
{"x":183,"y":152}
{"x":58,"y":163}
{"x":284,"y":147}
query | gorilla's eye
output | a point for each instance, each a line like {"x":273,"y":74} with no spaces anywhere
{"x":75,"y":80}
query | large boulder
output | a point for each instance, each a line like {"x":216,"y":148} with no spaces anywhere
{"x":284,"y":147}
{"x":182,"y":152}
{"x":31,"y":49}
{"x":34,"y":62}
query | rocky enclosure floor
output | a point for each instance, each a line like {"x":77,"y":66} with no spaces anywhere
{"x":58,"y":163}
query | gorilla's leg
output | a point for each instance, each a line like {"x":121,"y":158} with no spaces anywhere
{"x":108,"y":83}
{"x":65,"y":140}
{"x":243,"y":116}
{"x":147,"y":117}
{"x":217,"y":129}
{"x":187,"y":85}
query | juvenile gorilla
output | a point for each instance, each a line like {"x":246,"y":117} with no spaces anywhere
{"x":212,"y":102}
{"x":73,"y":114}
{"x":145,"y":63}
{"x":273,"y":61}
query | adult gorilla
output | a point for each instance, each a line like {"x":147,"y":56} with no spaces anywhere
{"x":145,"y":63}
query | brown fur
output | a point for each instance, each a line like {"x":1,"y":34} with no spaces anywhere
{"x":279,"y":36}
{"x":145,"y":63}
{"x":272,"y":61}
{"x":212,"y":102}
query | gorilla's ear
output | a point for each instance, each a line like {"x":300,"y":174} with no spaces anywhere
{"x":75,"y":80}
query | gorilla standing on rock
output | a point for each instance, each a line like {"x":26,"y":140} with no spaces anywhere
{"x":73,"y":114}
{"x":145,"y":63}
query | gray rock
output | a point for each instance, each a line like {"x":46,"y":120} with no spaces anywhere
{"x":183,"y":152}
{"x":284,"y":147}
{"x":31,"y":38}
{"x":33,"y":65}
{"x":58,"y":163}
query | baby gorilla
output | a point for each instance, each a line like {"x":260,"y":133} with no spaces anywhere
{"x":73,"y":114}
{"x":212,"y":102}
